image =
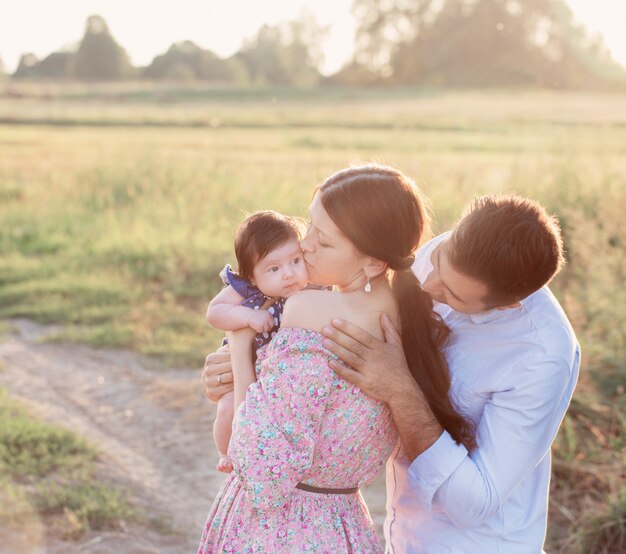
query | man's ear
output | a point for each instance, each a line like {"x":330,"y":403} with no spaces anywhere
{"x":374,"y":267}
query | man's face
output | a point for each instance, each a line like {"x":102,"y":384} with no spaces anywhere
{"x":448,"y":286}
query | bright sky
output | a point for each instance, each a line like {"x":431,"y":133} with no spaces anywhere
{"x":147,"y":28}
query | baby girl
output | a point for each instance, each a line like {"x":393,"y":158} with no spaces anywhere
{"x":270,"y":268}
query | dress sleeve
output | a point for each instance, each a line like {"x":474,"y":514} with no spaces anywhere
{"x":241,"y":286}
{"x":275,"y":430}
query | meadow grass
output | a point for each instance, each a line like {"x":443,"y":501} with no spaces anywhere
{"x":46,"y":471}
{"x":118,"y":210}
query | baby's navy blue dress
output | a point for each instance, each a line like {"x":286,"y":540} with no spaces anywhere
{"x":254,"y":298}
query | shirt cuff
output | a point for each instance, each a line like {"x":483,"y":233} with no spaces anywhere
{"x":434,"y":466}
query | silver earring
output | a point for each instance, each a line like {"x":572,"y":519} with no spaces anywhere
{"x":368,"y":286}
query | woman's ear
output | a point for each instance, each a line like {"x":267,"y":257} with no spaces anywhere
{"x":374,"y":268}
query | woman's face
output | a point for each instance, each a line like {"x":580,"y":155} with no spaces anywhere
{"x":330,"y":256}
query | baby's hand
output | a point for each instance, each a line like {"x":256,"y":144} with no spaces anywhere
{"x":261,"y":321}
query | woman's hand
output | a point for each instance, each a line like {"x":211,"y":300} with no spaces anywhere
{"x":217,"y":376}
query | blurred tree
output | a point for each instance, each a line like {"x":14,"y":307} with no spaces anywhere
{"x":187,"y":61}
{"x":285,"y":54}
{"x":262,"y":57}
{"x":27,"y":68}
{"x":99,"y":57}
{"x":58,"y":65}
{"x":354,"y":74}
{"x":478,"y":43}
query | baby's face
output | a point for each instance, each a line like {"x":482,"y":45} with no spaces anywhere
{"x":282,"y":272}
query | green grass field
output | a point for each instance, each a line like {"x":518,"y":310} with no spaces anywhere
{"x":118,"y":206}
{"x":46,"y":473}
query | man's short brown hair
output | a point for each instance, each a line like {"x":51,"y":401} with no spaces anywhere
{"x":508,"y":242}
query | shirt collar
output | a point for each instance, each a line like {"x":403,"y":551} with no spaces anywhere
{"x":485,"y":317}
{"x":492,"y":315}
{"x":442,"y":309}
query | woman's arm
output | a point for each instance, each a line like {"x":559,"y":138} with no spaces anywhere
{"x":242,"y":362}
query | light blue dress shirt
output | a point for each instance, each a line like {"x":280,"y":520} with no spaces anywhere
{"x":513,"y":373}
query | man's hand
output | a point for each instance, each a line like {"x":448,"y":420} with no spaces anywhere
{"x":380,"y":370}
{"x":217,"y":376}
{"x":261,"y":321}
{"x":377,"y":367}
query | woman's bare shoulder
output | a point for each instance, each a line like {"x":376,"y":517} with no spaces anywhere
{"x":309,"y":309}
{"x":314,"y":309}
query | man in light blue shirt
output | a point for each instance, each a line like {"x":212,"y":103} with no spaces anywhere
{"x":513,"y":360}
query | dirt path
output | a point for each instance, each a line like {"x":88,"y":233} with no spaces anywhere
{"x":153,"y":427}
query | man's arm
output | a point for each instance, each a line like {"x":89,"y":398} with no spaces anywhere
{"x":417,"y":426}
{"x":516,"y":430}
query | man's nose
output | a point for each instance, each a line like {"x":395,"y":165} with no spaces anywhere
{"x":432,"y":283}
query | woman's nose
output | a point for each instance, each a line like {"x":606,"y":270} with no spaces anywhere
{"x":306,"y":245}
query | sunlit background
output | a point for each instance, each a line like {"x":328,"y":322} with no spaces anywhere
{"x":134,"y":135}
{"x":148,"y":28}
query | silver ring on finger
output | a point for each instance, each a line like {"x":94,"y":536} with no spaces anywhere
{"x":219,"y":378}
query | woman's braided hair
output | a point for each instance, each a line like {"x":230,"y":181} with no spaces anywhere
{"x":385,"y":216}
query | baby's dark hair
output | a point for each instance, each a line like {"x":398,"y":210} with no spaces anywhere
{"x":259,"y":234}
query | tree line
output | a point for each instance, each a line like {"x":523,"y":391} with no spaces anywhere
{"x":460,"y":43}
{"x":283,"y":54}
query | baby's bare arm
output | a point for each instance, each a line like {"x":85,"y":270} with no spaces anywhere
{"x":225,"y":311}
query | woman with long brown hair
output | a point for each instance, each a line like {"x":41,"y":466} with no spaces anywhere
{"x":304,"y":441}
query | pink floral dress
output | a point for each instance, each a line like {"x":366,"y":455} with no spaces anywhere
{"x":300,"y":423}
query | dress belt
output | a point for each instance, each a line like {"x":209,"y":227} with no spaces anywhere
{"x":319,"y":490}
